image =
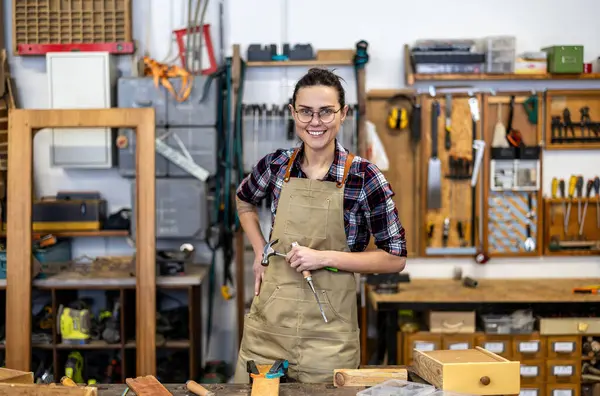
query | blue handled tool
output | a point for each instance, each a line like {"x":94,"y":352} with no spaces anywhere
{"x":278,"y":369}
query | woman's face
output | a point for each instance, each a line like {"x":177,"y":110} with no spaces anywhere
{"x":318,"y":115}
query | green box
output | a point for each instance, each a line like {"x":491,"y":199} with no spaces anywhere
{"x":567,"y":59}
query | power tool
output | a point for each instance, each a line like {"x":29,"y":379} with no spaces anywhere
{"x":74,"y":367}
{"x":74,"y":325}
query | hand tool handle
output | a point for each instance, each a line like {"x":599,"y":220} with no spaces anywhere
{"x":305,"y":274}
{"x":435,"y":113}
{"x":579,"y":186}
{"x":66,"y":381}
{"x":198,"y":389}
{"x":597,"y":185}
{"x":572,"y":183}
{"x":554,"y":187}
{"x":588,"y":188}
{"x":415,"y":124}
{"x":561,"y":188}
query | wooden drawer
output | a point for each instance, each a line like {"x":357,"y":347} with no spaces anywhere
{"x":563,"y":371}
{"x":533,"y":390}
{"x":564,"y":347}
{"x":529,"y":347}
{"x":533,"y":373}
{"x":471,"y":372}
{"x":422,"y":341}
{"x":563,"y":390}
{"x":497,"y":343}
{"x":458,"y":341}
{"x":569,"y":326}
{"x":452,"y":322}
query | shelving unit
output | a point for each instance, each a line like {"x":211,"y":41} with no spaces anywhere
{"x":410,"y":77}
{"x":63,"y":289}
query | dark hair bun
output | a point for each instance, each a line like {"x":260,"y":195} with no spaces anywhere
{"x":321,"y":76}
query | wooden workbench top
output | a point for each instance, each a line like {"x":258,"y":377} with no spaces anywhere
{"x":488,"y":291}
{"x":242,"y":390}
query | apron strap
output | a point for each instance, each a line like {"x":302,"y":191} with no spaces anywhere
{"x":289,"y":166}
{"x":347,"y":165}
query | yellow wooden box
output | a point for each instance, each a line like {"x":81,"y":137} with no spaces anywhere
{"x":471,"y":371}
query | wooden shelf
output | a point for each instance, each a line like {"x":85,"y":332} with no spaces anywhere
{"x":411,"y":77}
{"x":76,"y":234}
{"x":305,"y":63}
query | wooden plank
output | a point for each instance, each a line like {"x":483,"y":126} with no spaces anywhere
{"x":46,"y":390}
{"x":367,"y":377}
{"x":22,"y":126}
{"x":262,"y":386}
{"x":147,"y":386}
{"x":488,"y":291}
{"x":15,"y":376}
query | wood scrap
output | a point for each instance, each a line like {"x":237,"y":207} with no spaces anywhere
{"x":46,"y":390}
{"x":198,"y":389}
{"x":15,"y":376}
{"x":147,"y":386}
{"x":367,"y":377}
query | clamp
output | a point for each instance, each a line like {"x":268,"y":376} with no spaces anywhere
{"x":277,"y":370}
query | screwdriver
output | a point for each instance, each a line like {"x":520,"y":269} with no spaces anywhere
{"x":561,"y":189}
{"x":308,"y":277}
{"x":588,"y":192}
{"x":579,"y":188}
{"x":572,"y":183}
{"x":597,"y":191}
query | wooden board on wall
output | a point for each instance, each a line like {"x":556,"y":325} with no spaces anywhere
{"x":403,"y":173}
{"x":456,"y":195}
{"x":495,"y":106}
{"x":573,"y":100}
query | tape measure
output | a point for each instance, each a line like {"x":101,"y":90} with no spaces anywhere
{"x":397,"y":118}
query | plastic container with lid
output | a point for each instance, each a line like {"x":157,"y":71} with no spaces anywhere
{"x":398,"y":388}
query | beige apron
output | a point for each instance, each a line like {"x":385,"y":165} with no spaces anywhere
{"x":284,"y":321}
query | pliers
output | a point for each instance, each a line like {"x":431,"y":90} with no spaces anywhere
{"x":557,"y":129}
{"x":568,"y":124}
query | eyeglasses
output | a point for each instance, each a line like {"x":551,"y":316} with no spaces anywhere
{"x":325,"y":115}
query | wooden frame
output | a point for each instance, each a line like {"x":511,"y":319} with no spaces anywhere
{"x":489,"y":112}
{"x":23,"y":124}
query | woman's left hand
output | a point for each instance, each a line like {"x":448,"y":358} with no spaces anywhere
{"x":302,"y":258}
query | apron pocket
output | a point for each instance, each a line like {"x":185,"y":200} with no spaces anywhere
{"x":267,"y":294}
{"x":347,"y":301}
{"x":307,"y":209}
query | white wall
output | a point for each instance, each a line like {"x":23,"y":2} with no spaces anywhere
{"x":340,"y":24}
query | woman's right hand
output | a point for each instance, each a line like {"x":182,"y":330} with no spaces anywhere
{"x":259,"y":273}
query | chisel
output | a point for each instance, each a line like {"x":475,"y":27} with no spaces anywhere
{"x":588,"y":192}
{"x":308,"y":277}
{"x":561,"y":188}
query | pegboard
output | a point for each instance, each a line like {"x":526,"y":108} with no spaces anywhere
{"x":509,"y":215}
{"x":505,"y":214}
{"x":457,"y":195}
{"x":61,"y":22}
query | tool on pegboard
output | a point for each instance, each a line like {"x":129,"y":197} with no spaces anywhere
{"x":571,"y":192}
{"x":588,"y":193}
{"x":597,"y":193}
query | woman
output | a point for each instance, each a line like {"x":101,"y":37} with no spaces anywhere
{"x":326,"y":202}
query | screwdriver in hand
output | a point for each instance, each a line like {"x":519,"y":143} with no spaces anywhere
{"x":308,"y":278}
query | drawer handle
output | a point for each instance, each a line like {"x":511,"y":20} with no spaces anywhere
{"x":485,"y":381}
{"x":453,"y":325}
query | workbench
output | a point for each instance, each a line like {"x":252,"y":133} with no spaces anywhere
{"x":448,"y":294}
{"x":242,"y":389}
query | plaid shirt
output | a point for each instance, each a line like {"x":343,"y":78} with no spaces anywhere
{"x":368,"y":205}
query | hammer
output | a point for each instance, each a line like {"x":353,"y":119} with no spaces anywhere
{"x":268,"y":251}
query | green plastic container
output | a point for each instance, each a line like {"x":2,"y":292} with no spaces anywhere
{"x":565,"y":59}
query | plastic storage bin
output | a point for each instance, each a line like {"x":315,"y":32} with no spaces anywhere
{"x":505,"y":324}
{"x":500,"y":54}
{"x":398,"y":388}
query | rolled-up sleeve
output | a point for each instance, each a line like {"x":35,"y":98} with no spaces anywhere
{"x":256,"y":185}
{"x":381,"y":213}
